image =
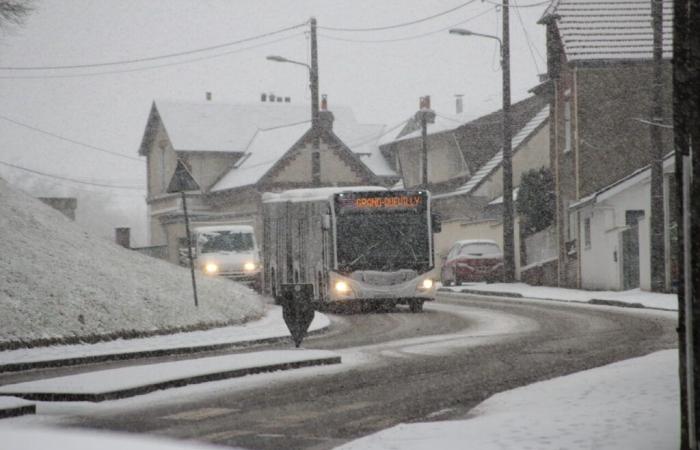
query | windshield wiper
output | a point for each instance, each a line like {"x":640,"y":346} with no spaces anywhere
{"x":363,"y":254}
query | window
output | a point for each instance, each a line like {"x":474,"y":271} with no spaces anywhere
{"x":587,"y":232}
{"x":567,"y":126}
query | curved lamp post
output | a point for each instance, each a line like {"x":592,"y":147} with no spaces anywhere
{"x":508,"y":226}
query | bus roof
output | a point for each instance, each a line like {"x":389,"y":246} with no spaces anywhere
{"x":315,"y":194}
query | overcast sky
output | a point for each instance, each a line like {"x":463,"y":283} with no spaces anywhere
{"x":107,"y":106}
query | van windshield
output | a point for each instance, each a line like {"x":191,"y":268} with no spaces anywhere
{"x":225,"y":241}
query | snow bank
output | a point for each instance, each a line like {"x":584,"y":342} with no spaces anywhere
{"x":59,"y":283}
{"x":20,"y":438}
{"x":631,"y":404}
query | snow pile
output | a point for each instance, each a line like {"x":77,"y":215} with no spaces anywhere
{"x":58,"y":283}
{"x":632,"y":404}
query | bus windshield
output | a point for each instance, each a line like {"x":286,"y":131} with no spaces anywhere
{"x":385,"y":241}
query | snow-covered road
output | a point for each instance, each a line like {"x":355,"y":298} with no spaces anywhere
{"x":379,"y":385}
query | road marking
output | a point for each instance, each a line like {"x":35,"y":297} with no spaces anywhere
{"x":201,"y":414}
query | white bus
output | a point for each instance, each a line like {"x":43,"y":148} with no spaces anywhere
{"x":366,"y":244}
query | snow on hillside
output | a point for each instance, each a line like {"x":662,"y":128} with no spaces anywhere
{"x":57,"y":282}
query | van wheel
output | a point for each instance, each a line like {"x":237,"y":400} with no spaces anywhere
{"x":415,"y":306}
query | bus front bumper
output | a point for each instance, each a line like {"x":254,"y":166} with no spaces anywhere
{"x":344,"y":288}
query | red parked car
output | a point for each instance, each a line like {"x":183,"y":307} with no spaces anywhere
{"x":472,"y":260}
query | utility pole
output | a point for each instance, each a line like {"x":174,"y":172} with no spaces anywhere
{"x":508,"y":226}
{"x":686,"y":120}
{"x":657,"y":253}
{"x":425,"y":115}
{"x":313,"y":81}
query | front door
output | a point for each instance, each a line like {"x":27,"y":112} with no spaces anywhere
{"x":630,"y":250}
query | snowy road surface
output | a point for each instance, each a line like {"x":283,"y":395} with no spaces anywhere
{"x":381,"y":383}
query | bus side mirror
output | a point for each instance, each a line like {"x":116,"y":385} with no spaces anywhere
{"x":326,"y":222}
{"x":436,"y":222}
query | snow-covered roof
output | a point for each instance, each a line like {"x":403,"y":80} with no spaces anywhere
{"x":443,"y":122}
{"x":364,"y":141}
{"x":265,"y":149}
{"x":314,"y":194}
{"x":223,"y":127}
{"x":609,"y":30}
{"x":258,"y":128}
{"x":485,"y":170}
{"x":499,"y":200}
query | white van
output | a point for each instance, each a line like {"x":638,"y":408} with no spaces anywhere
{"x":229,"y":251}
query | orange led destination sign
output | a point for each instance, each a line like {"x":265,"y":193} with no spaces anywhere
{"x":402,"y":201}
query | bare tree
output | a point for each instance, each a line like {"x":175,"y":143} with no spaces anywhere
{"x":13,"y":12}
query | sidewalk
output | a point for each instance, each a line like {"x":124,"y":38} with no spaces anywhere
{"x":130,"y":381}
{"x":271,"y":328}
{"x":634,"y":298}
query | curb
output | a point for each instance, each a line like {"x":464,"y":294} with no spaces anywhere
{"x":196,"y":379}
{"x":593,"y":301}
{"x":493,"y":293}
{"x":17,"y":411}
{"x":18,"y":367}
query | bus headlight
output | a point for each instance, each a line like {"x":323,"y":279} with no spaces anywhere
{"x":342,"y":287}
{"x":211,"y":268}
{"x":426,"y":284}
{"x":249,"y":266}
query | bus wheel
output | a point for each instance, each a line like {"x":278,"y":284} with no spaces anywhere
{"x":416,"y":306}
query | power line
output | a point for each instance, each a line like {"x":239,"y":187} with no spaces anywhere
{"x":153,"y":58}
{"x":72,"y":141}
{"x":527,"y":38}
{"x":141,"y":69}
{"x":407,"y":38}
{"x":399,"y":25}
{"x":72,"y":180}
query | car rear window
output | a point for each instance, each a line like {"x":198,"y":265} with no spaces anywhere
{"x":480,"y":249}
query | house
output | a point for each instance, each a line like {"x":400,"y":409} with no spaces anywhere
{"x":600,"y":72}
{"x":235,"y":152}
{"x":473,"y":210}
{"x":458,"y":145}
{"x":615,"y":235}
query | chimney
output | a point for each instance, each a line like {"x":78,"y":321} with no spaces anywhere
{"x":325,"y":117}
{"x":459,"y":103}
{"x":123,"y":236}
{"x":208,"y":96}
{"x":263,"y":97}
{"x":424,"y":102}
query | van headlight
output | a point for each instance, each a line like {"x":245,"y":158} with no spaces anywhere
{"x":426,"y":284}
{"x":249,"y":266}
{"x":341,"y":287}
{"x":211,"y":268}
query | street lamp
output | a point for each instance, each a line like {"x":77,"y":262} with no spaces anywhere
{"x":508,"y":226}
{"x":313,"y":84}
